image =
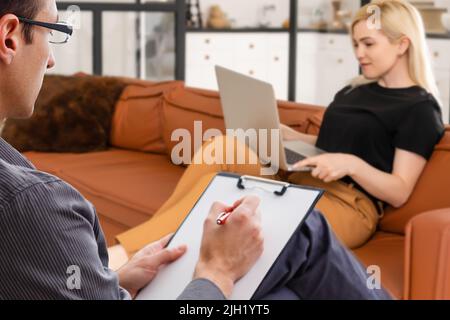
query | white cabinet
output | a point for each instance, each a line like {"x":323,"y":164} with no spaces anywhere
{"x":325,"y":64}
{"x":264,"y":56}
{"x":440,"y":54}
{"x":443,"y":83}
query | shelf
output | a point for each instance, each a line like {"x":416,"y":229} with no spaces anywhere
{"x":331,"y":31}
{"x":439,"y":35}
{"x":282,"y":30}
{"x":239,"y":30}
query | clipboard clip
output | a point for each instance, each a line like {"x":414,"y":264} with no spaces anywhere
{"x":243,"y":179}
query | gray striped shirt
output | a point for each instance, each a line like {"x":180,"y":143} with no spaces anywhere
{"x":51,"y":242}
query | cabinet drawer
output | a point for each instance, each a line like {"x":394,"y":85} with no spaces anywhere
{"x":201,"y":77}
{"x":210,"y":57}
{"x":208,"y":41}
{"x":307,"y":40}
{"x":443,"y":82}
{"x":278,"y":46}
{"x":252,"y":68}
{"x":324,"y":41}
{"x":440,"y":53}
{"x":446,"y":110}
{"x":249,"y":46}
{"x":336,"y":42}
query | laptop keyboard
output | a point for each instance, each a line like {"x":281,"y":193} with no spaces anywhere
{"x":292,"y":157}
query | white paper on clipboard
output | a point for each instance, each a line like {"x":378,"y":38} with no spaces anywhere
{"x":281,"y":215}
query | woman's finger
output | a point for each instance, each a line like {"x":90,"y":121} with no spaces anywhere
{"x":316,"y":171}
{"x":323,"y":174}
{"x":308,"y":162}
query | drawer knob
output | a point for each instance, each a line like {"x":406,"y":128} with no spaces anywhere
{"x":251,"y":46}
{"x":207,"y":56}
{"x":340,"y":61}
{"x":207,"y":41}
{"x":276,"y":58}
{"x":331,"y":41}
{"x":251,"y":72}
{"x":436,"y":54}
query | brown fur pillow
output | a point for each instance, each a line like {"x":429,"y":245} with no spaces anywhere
{"x":72,"y":114}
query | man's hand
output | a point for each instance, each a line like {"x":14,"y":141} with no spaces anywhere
{"x":144,"y":265}
{"x":229,"y":251}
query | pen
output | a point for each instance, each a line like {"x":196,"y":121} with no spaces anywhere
{"x":222,"y":218}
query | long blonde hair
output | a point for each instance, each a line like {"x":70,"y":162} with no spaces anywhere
{"x":401,"y":19}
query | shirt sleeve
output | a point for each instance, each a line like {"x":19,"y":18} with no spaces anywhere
{"x":421,"y":130}
{"x":201,"y":289}
{"x":52,"y":247}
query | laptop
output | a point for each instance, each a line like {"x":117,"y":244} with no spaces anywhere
{"x":249,"y":103}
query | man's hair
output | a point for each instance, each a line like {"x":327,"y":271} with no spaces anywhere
{"x":21,"y":8}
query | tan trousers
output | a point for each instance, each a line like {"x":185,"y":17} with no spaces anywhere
{"x":351,"y":214}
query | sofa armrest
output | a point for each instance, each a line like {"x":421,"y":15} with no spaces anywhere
{"x":427,"y":256}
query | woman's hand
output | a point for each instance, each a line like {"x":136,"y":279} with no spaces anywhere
{"x":330,"y":167}
{"x":144,"y":265}
{"x":288,"y":133}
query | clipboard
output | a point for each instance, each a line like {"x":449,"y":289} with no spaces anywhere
{"x":284,"y":207}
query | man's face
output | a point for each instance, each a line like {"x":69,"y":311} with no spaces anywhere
{"x":25,"y":74}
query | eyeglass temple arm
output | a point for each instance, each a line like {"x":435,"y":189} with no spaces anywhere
{"x":54,"y":26}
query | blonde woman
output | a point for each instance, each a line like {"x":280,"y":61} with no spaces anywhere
{"x":379,"y":133}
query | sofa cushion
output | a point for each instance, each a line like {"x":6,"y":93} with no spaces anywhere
{"x":137,"y":120}
{"x":305,"y":118}
{"x":431,"y":191}
{"x":183,"y":106}
{"x":72,"y":114}
{"x":126,"y":187}
{"x":386,"y":251}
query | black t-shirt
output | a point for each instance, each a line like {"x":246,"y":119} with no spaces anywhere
{"x":371,"y":121}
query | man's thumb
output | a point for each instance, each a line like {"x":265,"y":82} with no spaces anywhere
{"x":169,"y":255}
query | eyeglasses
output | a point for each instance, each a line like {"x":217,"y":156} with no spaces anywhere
{"x":60,"y":33}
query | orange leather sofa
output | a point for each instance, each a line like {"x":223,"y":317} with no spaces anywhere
{"x":131,"y":180}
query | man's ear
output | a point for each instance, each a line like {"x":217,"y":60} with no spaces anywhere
{"x":10,"y":33}
{"x":403,"y":45}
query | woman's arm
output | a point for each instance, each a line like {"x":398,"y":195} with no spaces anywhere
{"x":290,"y":134}
{"x":393,"y":188}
